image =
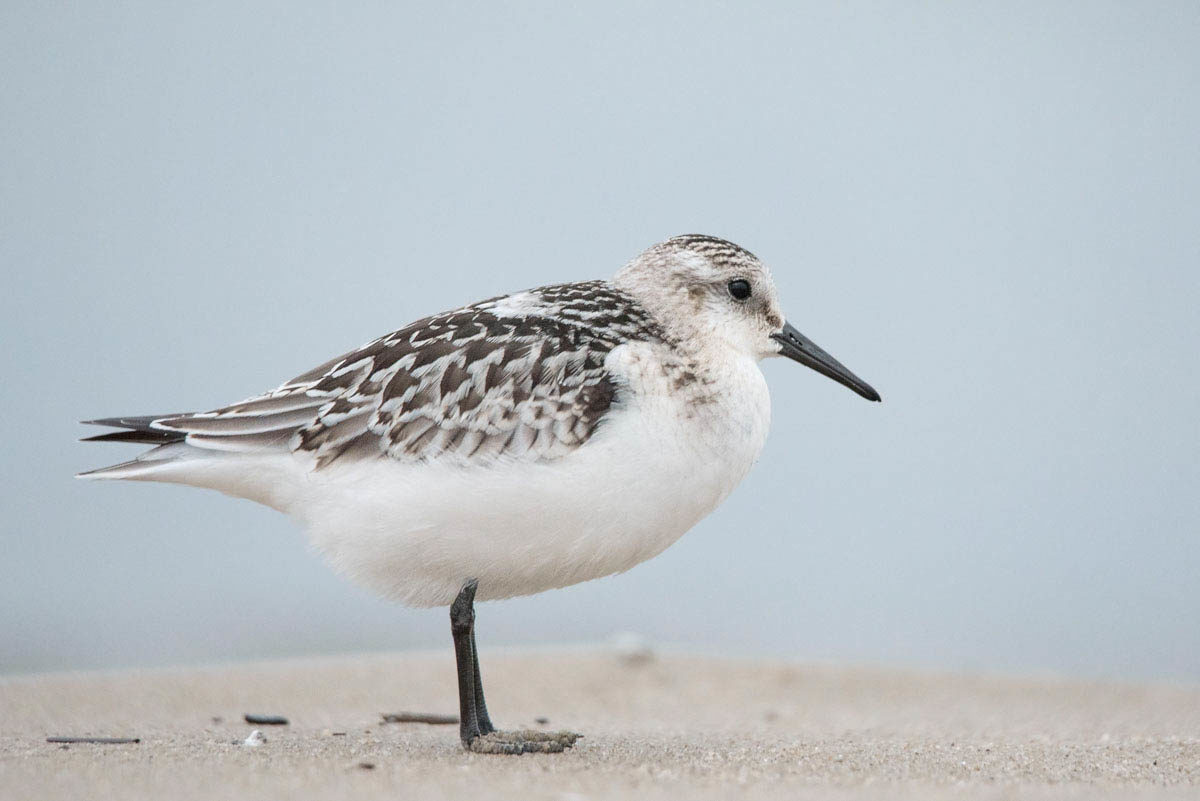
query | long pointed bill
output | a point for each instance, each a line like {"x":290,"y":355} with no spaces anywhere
{"x":796,"y":346}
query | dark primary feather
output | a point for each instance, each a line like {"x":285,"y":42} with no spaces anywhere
{"x":139,"y":431}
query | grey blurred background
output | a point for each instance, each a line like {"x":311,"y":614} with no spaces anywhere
{"x":990,"y":212}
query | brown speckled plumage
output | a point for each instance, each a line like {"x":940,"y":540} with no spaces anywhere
{"x":476,"y":382}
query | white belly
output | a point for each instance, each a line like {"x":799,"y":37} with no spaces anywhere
{"x":417,"y":532}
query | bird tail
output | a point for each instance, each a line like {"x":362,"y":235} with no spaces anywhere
{"x":256,"y":465}
{"x":169,"y":446}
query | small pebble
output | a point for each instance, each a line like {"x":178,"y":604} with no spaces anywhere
{"x":541,"y":721}
{"x":367,"y":765}
{"x":255,"y":739}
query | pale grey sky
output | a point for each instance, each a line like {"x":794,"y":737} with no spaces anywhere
{"x":990,"y":212}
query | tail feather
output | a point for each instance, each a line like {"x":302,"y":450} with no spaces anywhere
{"x":144,"y":437}
{"x":267,"y":477}
{"x":133,"y":469}
{"x":144,"y":466}
{"x":138,"y":423}
{"x":139,"y":430}
{"x":255,"y":465}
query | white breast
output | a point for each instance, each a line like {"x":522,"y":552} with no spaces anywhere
{"x":660,"y":461}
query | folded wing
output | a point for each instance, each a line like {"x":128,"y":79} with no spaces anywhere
{"x":476,"y":384}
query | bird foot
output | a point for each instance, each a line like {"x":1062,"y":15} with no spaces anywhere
{"x":525,"y":741}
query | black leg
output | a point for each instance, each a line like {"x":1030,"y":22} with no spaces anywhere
{"x":475,"y":727}
{"x":481,"y":713}
{"x":462,"y":625}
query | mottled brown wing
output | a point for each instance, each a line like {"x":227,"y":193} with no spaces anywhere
{"x":519,"y":377}
{"x":468,"y":386}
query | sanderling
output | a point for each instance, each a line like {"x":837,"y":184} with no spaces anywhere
{"x":522,"y":443}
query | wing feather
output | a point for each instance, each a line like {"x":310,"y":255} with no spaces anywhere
{"x":236,"y":425}
{"x":517,"y":377}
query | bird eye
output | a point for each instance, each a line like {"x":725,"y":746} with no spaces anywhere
{"x":739,"y":288}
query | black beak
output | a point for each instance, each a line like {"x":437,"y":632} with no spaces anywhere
{"x":796,"y":346}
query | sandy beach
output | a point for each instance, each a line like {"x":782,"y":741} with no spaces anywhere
{"x":672,"y":726}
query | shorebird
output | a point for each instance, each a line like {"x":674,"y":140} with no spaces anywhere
{"x":519,"y":444}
